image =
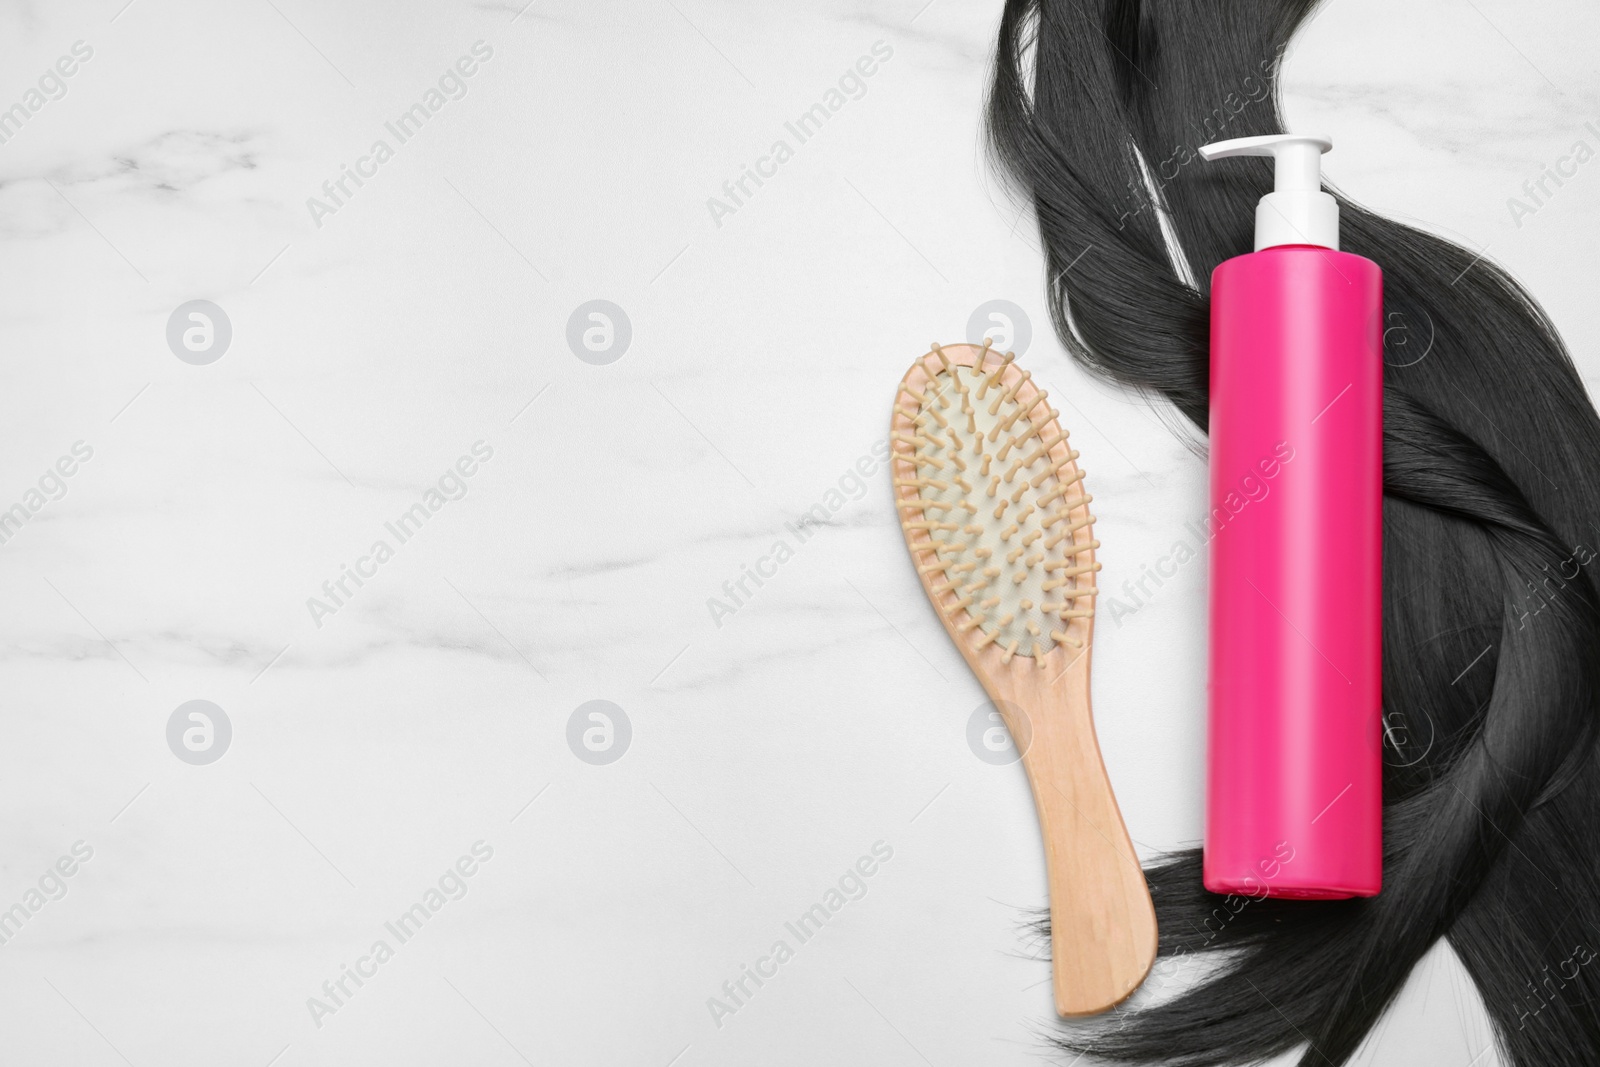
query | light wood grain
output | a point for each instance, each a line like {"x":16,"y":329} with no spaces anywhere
{"x":1103,"y":926}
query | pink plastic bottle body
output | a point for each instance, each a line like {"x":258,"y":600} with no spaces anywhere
{"x":1295,"y":760}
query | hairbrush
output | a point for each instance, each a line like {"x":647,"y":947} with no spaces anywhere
{"x":994,"y":511}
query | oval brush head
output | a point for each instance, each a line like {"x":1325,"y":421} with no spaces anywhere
{"x":996,"y":517}
{"x":993,"y":505}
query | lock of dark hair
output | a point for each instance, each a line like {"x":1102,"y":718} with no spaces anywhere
{"x":1491,"y":524}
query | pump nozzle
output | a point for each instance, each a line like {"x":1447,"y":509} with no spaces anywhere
{"x":1297,"y":211}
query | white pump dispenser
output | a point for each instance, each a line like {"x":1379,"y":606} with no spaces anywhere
{"x":1297,"y":211}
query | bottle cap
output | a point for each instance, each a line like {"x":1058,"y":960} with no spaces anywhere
{"x":1297,"y":211}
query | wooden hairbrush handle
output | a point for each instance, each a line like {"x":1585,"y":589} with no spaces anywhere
{"x":1102,"y":922}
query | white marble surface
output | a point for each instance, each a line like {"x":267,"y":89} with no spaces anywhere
{"x":370,"y":352}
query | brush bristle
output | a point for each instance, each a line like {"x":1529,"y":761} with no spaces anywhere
{"x":1002,"y":511}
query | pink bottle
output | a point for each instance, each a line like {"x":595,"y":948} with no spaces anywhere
{"x":1294,"y":791}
